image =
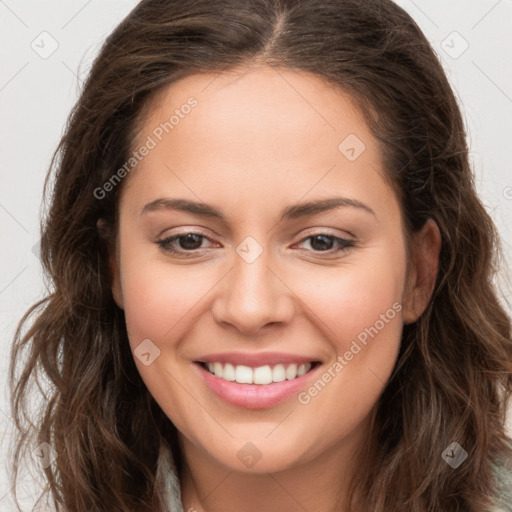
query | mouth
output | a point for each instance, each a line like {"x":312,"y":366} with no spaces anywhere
{"x":260,"y":375}
{"x":255,"y":385}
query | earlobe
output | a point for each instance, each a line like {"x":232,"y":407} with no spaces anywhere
{"x":112,"y":263}
{"x":426,"y":246}
{"x":116,"y":282}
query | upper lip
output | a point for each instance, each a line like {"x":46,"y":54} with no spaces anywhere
{"x":255,"y":360}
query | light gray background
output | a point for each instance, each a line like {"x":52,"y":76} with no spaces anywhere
{"x":38,"y":90}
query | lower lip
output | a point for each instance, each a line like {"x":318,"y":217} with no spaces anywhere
{"x":253,"y":396}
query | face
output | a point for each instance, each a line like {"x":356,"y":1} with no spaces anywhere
{"x":290,"y":273}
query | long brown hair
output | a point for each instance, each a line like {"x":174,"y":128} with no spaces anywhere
{"x":453,"y":377}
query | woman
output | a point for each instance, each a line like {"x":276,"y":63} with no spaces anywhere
{"x":272,"y":274}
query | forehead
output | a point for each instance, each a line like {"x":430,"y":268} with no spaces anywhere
{"x":271,"y":98}
{"x":253,"y":132}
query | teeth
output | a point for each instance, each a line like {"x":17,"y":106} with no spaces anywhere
{"x":278,"y":373}
{"x":243,"y":374}
{"x":217,"y":369}
{"x":229,"y":372}
{"x":261,"y":375}
{"x":301,"y":370}
{"x":291,"y":372}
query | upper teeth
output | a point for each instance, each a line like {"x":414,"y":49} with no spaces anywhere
{"x":260,"y":375}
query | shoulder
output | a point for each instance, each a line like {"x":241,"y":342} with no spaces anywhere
{"x":503,"y":478}
{"x":168,"y":481}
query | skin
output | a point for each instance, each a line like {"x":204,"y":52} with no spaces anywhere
{"x":260,"y":140}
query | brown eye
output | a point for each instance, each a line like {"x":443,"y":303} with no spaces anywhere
{"x":182,"y":243}
{"x":324,"y":242}
{"x":190,"y":241}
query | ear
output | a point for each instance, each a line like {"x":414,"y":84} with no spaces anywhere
{"x":112,"y":263}
{"x":425,"y":249}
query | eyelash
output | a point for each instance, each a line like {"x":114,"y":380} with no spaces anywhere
{"x":165,"y":244}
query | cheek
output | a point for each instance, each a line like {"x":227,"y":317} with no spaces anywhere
{"x":159,"y":302}
{"x":359,"y":307}
{"x":159,"y":298}
{"x":351,"y":298}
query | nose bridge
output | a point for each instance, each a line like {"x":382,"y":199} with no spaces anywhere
{"x":253,"y":295}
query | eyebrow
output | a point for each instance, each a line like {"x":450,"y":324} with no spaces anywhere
{"x":289,"y":213}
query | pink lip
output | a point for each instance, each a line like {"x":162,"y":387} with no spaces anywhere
{"x":253,"y":396}
{"x":255,"y":360}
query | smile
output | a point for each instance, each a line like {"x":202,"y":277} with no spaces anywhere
{"x":261,"y":375}
{"x":256,"y":381}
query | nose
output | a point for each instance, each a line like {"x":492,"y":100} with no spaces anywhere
{"x":253,"y":296}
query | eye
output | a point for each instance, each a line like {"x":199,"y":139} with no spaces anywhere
{"x":324,"y":242}
{"x":189,"y":242}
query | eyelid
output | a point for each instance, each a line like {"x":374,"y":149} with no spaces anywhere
{"x":166,"y":240}
{"x":325,"y":231}
{"x":185,"y":230}
{"x":344,"y":244}
{"x":304,"y":234}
